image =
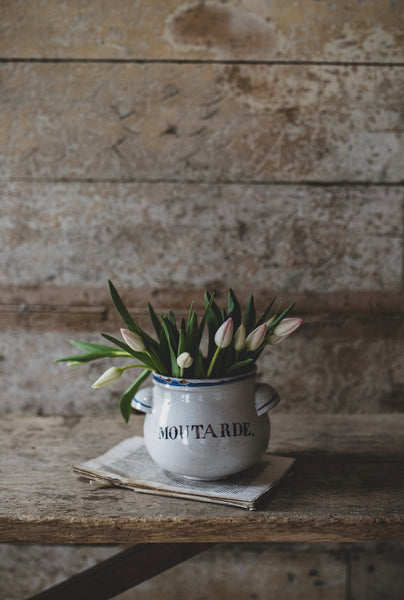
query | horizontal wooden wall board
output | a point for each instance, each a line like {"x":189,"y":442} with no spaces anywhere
{"x":63,"y":318}
{"x":228,"y":572}
{"x":339,"y":366}
{"x":204,"y":122}
{"x":338,"y":325}
{"x":28,"y":310}
{"x":237,"y":29}
{"x":295,"y":241}
{"x":373,"y":577}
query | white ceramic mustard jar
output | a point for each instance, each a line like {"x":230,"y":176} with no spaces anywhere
{"x":209,"y":428}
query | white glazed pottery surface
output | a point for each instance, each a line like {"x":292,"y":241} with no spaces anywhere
{"x":206,"y":429}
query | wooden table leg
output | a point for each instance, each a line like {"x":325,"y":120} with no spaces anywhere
{"x":122,"y":571}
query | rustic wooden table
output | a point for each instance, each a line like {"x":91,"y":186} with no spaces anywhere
{"x":347,"y":485}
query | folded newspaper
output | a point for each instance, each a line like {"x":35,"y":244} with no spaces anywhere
{"x":129,"y":465}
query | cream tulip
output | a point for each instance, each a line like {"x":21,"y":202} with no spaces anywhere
{"x":133,"y":340}
{"x":283,"y":330}
{"x":224,"y":334}
{"x":110,"y":375}
{"x":256,"y":337}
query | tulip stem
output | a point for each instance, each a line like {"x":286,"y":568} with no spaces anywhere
{"x":216,"y":354}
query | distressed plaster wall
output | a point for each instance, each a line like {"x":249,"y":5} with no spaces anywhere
{"x":180,"y":146}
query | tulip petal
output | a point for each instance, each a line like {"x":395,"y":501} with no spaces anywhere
{"x":283,"y":330}
{"x":256,"y":337}
{"x":224,"y":334}
{"x":184,"y":360}
{"x":110,"y":375}
{"x":133,"y":340}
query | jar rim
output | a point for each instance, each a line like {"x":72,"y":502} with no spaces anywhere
{"x":183,"y":382}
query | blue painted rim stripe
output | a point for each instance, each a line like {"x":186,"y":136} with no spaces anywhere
{"x":201,"y":383}
{"x":141,"y":403}
{"x":264,"y":405}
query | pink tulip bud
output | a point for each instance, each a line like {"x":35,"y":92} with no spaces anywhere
{"x":224,"y":334}
{"x":133,"y":340}
{"x":256,"y":337}
{"x":283,"y":329}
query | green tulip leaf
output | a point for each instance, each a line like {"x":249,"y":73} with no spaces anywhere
{"x":278,"y":319}
{"x":93,"y":348}
{"x":121,"y":308}
{"x":172,"y":345}
{"x":127,"y":396}
{"x":192,"y":334}
{"x":265,"y":314}
{"x":232,"y":370}
{"x":233,"y":308}
{"x":84,"y":358}
{"x":181,"y":343}
{"x":155,"y":320}
{"x":204,"y":317}
{"x":199,"y":371}
{"x":249,"y":316}
{"x":164,"y":351}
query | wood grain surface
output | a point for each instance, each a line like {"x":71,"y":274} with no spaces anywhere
{"x":301,"y":241}
{"x":347,"y":486}
{"x":202,"y":122}
{"x":368,"y":31}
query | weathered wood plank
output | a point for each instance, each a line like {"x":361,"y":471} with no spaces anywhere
{"x":169,"y":242}
{"x":370,"y":313}
{"x":247,"y":30}
{"x":376,"y":576}
{"x":329,"y":365}
{"x":226,"y":571}
{"x":340,"y":460}
{"x":204,"y":122}
{"x":82,"y":308}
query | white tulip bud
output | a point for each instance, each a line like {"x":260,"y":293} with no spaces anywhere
{"x":184,"y":360}
{"x":110,"y":375}
{"x":133,"y":340}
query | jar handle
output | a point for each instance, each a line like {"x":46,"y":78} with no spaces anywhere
{"x":266,"y":398}
{"x":143,"y":400}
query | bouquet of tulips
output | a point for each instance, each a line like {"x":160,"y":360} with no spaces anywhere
{"x":235,"y":342}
